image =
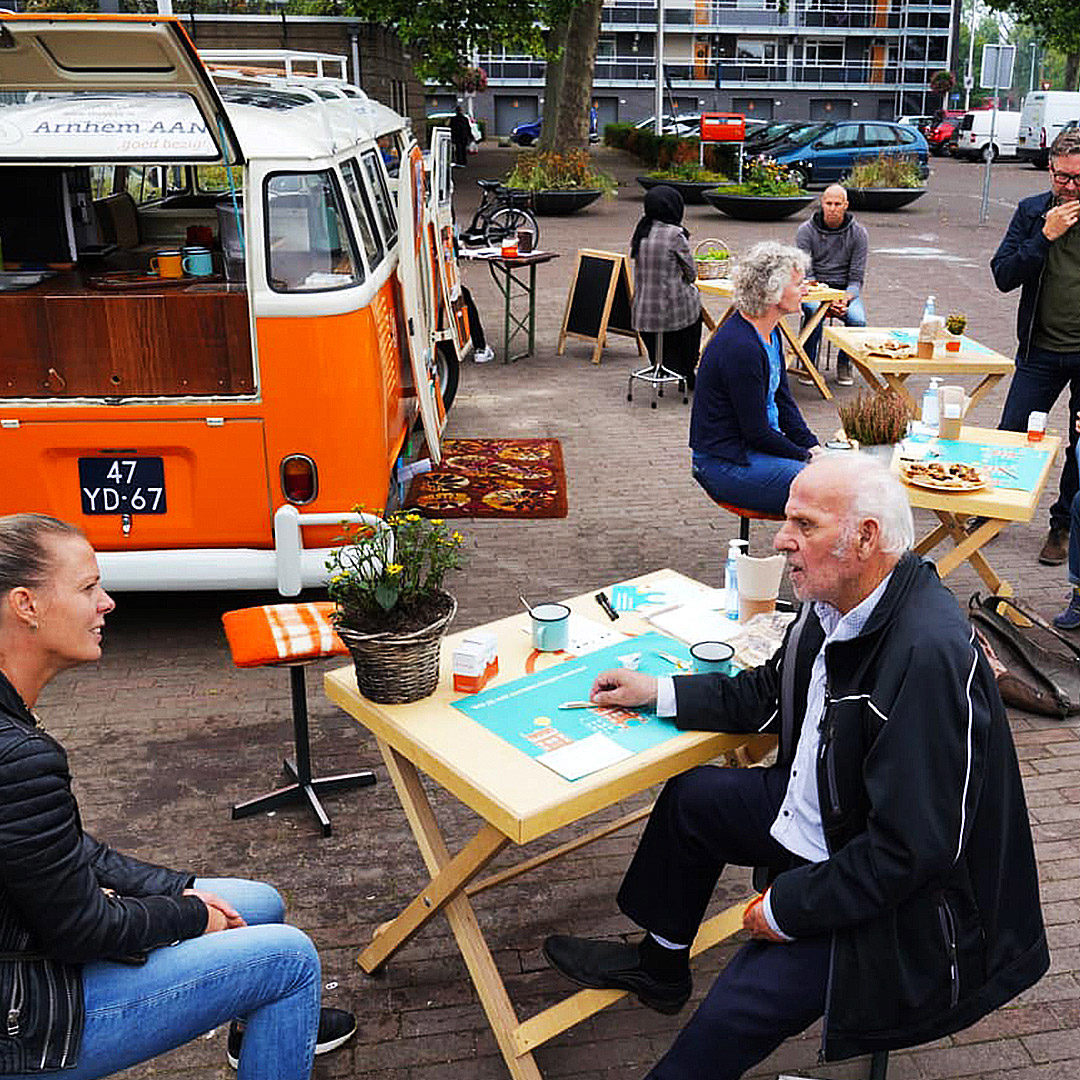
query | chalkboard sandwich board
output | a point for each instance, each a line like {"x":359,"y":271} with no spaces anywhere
{"x":599,"y":302}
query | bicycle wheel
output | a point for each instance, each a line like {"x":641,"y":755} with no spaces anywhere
{"x":508,"y":221}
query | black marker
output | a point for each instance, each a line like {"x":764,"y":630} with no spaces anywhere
{"x":605,"y":603}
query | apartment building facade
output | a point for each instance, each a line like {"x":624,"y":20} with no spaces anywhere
{"x":772,"y":59}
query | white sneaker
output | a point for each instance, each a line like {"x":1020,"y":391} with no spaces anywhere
{"x":482,"y":356}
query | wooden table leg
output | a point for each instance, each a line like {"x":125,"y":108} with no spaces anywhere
{"x":872,"y":380}
{"x":450,"y":875}
{"x":896,"y":382}
{"x":803,"y":361}
{"x":987,"y":384}
{"x":967,"y":547}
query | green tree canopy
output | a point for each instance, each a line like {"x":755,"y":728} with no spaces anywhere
{"x":1058,"y":23}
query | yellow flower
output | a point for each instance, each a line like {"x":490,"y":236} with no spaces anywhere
{"x":394,"y":569}
{"x":437,"y":521}
{"x":412,"y":517}
{"x":457,"y":537}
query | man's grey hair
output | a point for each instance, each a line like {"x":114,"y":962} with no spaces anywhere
{"x":1066,"y":144}
{"x":763,"y":273}
{"x":875,"y":493}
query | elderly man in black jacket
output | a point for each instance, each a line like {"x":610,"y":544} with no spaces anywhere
{"x":892,"y":834}
{"x":1041,"y":255}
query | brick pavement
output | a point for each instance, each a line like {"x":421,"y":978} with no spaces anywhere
{"x":165,"y":735}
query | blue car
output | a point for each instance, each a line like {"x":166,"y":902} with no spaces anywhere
{"x":825,"y":153}
{"x":527,"y":132}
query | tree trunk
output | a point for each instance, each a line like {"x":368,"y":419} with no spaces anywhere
{"x":1072,"y":70}
{"x":553,"y":77}
{"x":566,"y":121}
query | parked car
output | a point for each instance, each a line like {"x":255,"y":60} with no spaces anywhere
{"x":1044,"y":114}
{"x":825,"y":153}
{"x":527,"y":132}
{"x":973,"y":141}
{"x":920,"y":122}
{"x":941,"y":130}
{"x":442,"y":119}
{"x":774,"y":133}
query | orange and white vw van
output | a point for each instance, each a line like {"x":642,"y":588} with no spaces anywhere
{"x":222,"y":326}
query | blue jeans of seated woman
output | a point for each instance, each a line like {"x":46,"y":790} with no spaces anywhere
{"x":762,"y":484}
{"x":266,"y":972}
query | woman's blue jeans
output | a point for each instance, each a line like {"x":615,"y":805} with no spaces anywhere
{"x":266,"y":972}
{"x":762,"y":484}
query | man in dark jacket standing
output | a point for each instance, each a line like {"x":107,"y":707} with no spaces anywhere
{"x":1041,"y":254}
{"x":460,"y":135}
{"x":902,"y":899}
{"x":837,"y":245}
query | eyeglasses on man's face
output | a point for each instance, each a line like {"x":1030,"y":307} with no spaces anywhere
{"x":1065,"y":178}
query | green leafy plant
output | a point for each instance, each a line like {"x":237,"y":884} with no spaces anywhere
{"x":885,"y":171}
{"x":369,"y":586}
{"x":766,"y":176}
{"x":713,"y":254}
{"x":689,"y":172}
{"x":956,"y":322}
{"x":549,"y":170}
{"x":876,"y":419}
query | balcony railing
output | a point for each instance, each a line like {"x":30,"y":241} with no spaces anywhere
{"x":641,"y":70}
{"x":807,"y":14}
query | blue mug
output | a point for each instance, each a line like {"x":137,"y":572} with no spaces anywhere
{"x":550,"y":627}
{"x":198,"y":262}
{"x":712,"y":656}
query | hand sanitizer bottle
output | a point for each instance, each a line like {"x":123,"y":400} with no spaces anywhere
{"x":931,"y":412}
{"x":731,"y":577}
{"x":928,"y":309}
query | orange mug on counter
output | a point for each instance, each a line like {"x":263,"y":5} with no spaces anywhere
{"x":167,"y":264}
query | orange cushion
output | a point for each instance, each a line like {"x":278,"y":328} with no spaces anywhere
{"x":278,"y":633}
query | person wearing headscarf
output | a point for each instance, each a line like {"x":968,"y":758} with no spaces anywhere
{"x":666,"y":300}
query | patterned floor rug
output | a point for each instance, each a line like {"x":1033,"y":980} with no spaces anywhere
{"x":507,"y":478}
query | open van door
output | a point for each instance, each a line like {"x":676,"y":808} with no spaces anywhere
{"x":418,"y":294}
{"x":454,"y":323}
{"x":138,"y":92}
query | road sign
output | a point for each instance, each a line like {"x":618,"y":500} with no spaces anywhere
{"x":969,"y":81}
{"x":997,"y":66}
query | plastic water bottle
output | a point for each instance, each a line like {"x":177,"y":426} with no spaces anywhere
{"x":731,"y":577}
{"x":931,"y":409}
{"x":928,"y":310}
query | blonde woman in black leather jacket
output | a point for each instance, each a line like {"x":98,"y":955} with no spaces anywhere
{"x":85,"y":983}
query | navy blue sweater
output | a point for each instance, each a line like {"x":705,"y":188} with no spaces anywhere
{"x":729,"y":415}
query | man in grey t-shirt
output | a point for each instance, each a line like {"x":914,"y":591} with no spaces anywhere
{"x":837,"y":245}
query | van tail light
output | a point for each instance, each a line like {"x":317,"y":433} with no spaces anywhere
{"x":1042,"y":140}
{"x":299,"y":479}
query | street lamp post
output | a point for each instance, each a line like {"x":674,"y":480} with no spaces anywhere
{"x":1034,"y":45}
{"x":969,"y":79}
{"x":660,"y":67}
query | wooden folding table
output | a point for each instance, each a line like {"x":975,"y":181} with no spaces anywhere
{"x":822,"y":295}
{"x":520,"y":800}
{"x":999,"y":505}
{"x":881,"y":371}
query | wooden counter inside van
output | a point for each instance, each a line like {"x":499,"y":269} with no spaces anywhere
{"x":64,"y":339}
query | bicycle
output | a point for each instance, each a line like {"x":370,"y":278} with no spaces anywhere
{"x":502,"y":213}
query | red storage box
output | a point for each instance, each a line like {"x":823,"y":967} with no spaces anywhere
{"x":723,"y":127}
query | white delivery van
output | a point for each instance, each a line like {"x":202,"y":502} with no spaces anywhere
{"x":1044,"y":114}
{"x":974,"y":141}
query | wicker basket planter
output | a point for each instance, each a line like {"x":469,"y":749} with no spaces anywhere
{"x":394,"y":668}
{"x":712,"y":269}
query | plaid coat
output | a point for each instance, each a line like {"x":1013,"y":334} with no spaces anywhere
{"x":665,"y":297}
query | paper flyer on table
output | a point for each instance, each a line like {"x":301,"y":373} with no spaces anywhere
{"x":588,"y":755}
{"x":703,"y":619}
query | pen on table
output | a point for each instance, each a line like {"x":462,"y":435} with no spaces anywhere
{"x":605,"y":603}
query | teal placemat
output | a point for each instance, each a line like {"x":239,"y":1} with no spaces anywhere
{"x":1009,"y":467}
{"x":909,"y":337}
{"x":526,"y":713}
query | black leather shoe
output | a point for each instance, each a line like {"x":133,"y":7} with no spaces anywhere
{"x":1056,"y":549}
{"x":609,"y":965}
